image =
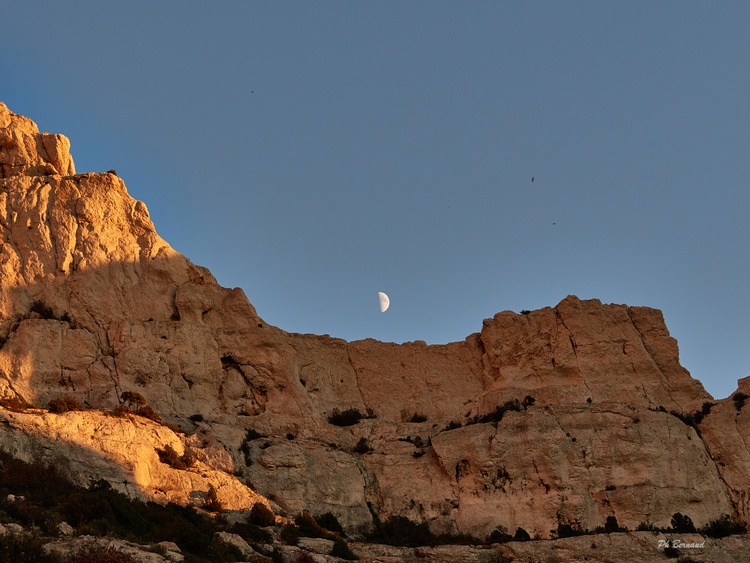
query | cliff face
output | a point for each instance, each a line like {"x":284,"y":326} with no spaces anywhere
{"x":128,"y":313}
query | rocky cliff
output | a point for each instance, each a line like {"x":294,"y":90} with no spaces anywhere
{"x":568,"y":414}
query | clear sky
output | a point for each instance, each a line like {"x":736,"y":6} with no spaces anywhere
{"x":317,"y":152}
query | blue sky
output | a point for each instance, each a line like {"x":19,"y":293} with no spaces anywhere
{"x":317,"y":152}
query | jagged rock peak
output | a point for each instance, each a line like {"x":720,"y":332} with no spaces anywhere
{"x":24,"y":151}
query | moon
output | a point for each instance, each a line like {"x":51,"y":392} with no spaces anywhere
{"x":384,"y":301}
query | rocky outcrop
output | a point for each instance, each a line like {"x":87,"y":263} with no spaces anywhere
{"x":26,"y":152}
{"x":565,"y":414}
{"x":124,"y":450}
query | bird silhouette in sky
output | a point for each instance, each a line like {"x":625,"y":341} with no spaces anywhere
{"x":532,"y":179}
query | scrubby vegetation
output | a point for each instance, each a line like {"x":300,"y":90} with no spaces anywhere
{"x":325,"y":526}
{"x":362,"y":446}
{"x":102,"y":555}
{"x":134,"y":403}
{"x":15,"y":404}
{"x":46,"y":312}
{"x":42,"y":309}
{"x":24,"y":549}
{"x":739,"y":400}
{"x":64,"y":404}
{"x":400,"y":531}
{"x":569,"y":529}
{"x":261,"y":515}
{"x":349,"y":417}
{"x":49,"y":498}
{"x":38,"y":497}
{"x":692,"y":419}
{"x":682,"y":524}
{"x":329,"y":522}
{"x":211,"y":502}
{"x":723,"y":527}
{"x":418,"y":417}
{"x":497,"y":415}
{"x":169,"y":456}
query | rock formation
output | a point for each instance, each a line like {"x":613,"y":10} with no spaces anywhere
{"x":568,"y":414}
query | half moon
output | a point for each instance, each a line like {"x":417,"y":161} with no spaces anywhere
{"x":384,"y":301}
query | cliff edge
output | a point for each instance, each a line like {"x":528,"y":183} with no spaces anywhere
{"x":566,"y":414}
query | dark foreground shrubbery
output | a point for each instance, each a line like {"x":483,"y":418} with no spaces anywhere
{"x":24,"y":549}
{"x":325,"y":526}
{"x":99,"y":510}
{"x":102,"y":555}
{"x":399,"y":530}
{"x":261,"y":515}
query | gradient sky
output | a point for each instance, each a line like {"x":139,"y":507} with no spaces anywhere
{"x":317,"y":152}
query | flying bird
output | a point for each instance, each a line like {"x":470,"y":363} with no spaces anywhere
{"x":532,"y":179}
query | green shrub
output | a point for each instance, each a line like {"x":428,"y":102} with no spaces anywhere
{"x":497,"y":416}
{"x":362,"y":446}
{"x":251,"y":533}
{"x":723,"y":527}
{"x":682,"y":524}
{"x":643,"y":527}
{"x":120,"y":411}
{"x":42,"y":309}
{"x":330,"y":523}
{"x":611,"y":525}
{"x":148,"y":412}
{"x":15,"y":404}
{"x":308,"y":527}
{"x":261,"y":515}
{"x":568,"y":530}
{"x":64,"y":404}
{"x":528,"y":401}
{"x":169,"y":456}
{"x":499,"y":535}
{"x":342,"y":550}
{"x":211,"y":502}
{"x":348,"y":417}
{"x":521,"y":535}
{"x":399,"y":530}
{"x":289,"y":534}
{"x":739,"y":400}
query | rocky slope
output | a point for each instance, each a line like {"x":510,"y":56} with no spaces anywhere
{"x":94,"y":303}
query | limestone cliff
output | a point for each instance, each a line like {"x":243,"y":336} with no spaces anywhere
{"x":566,"y":414}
